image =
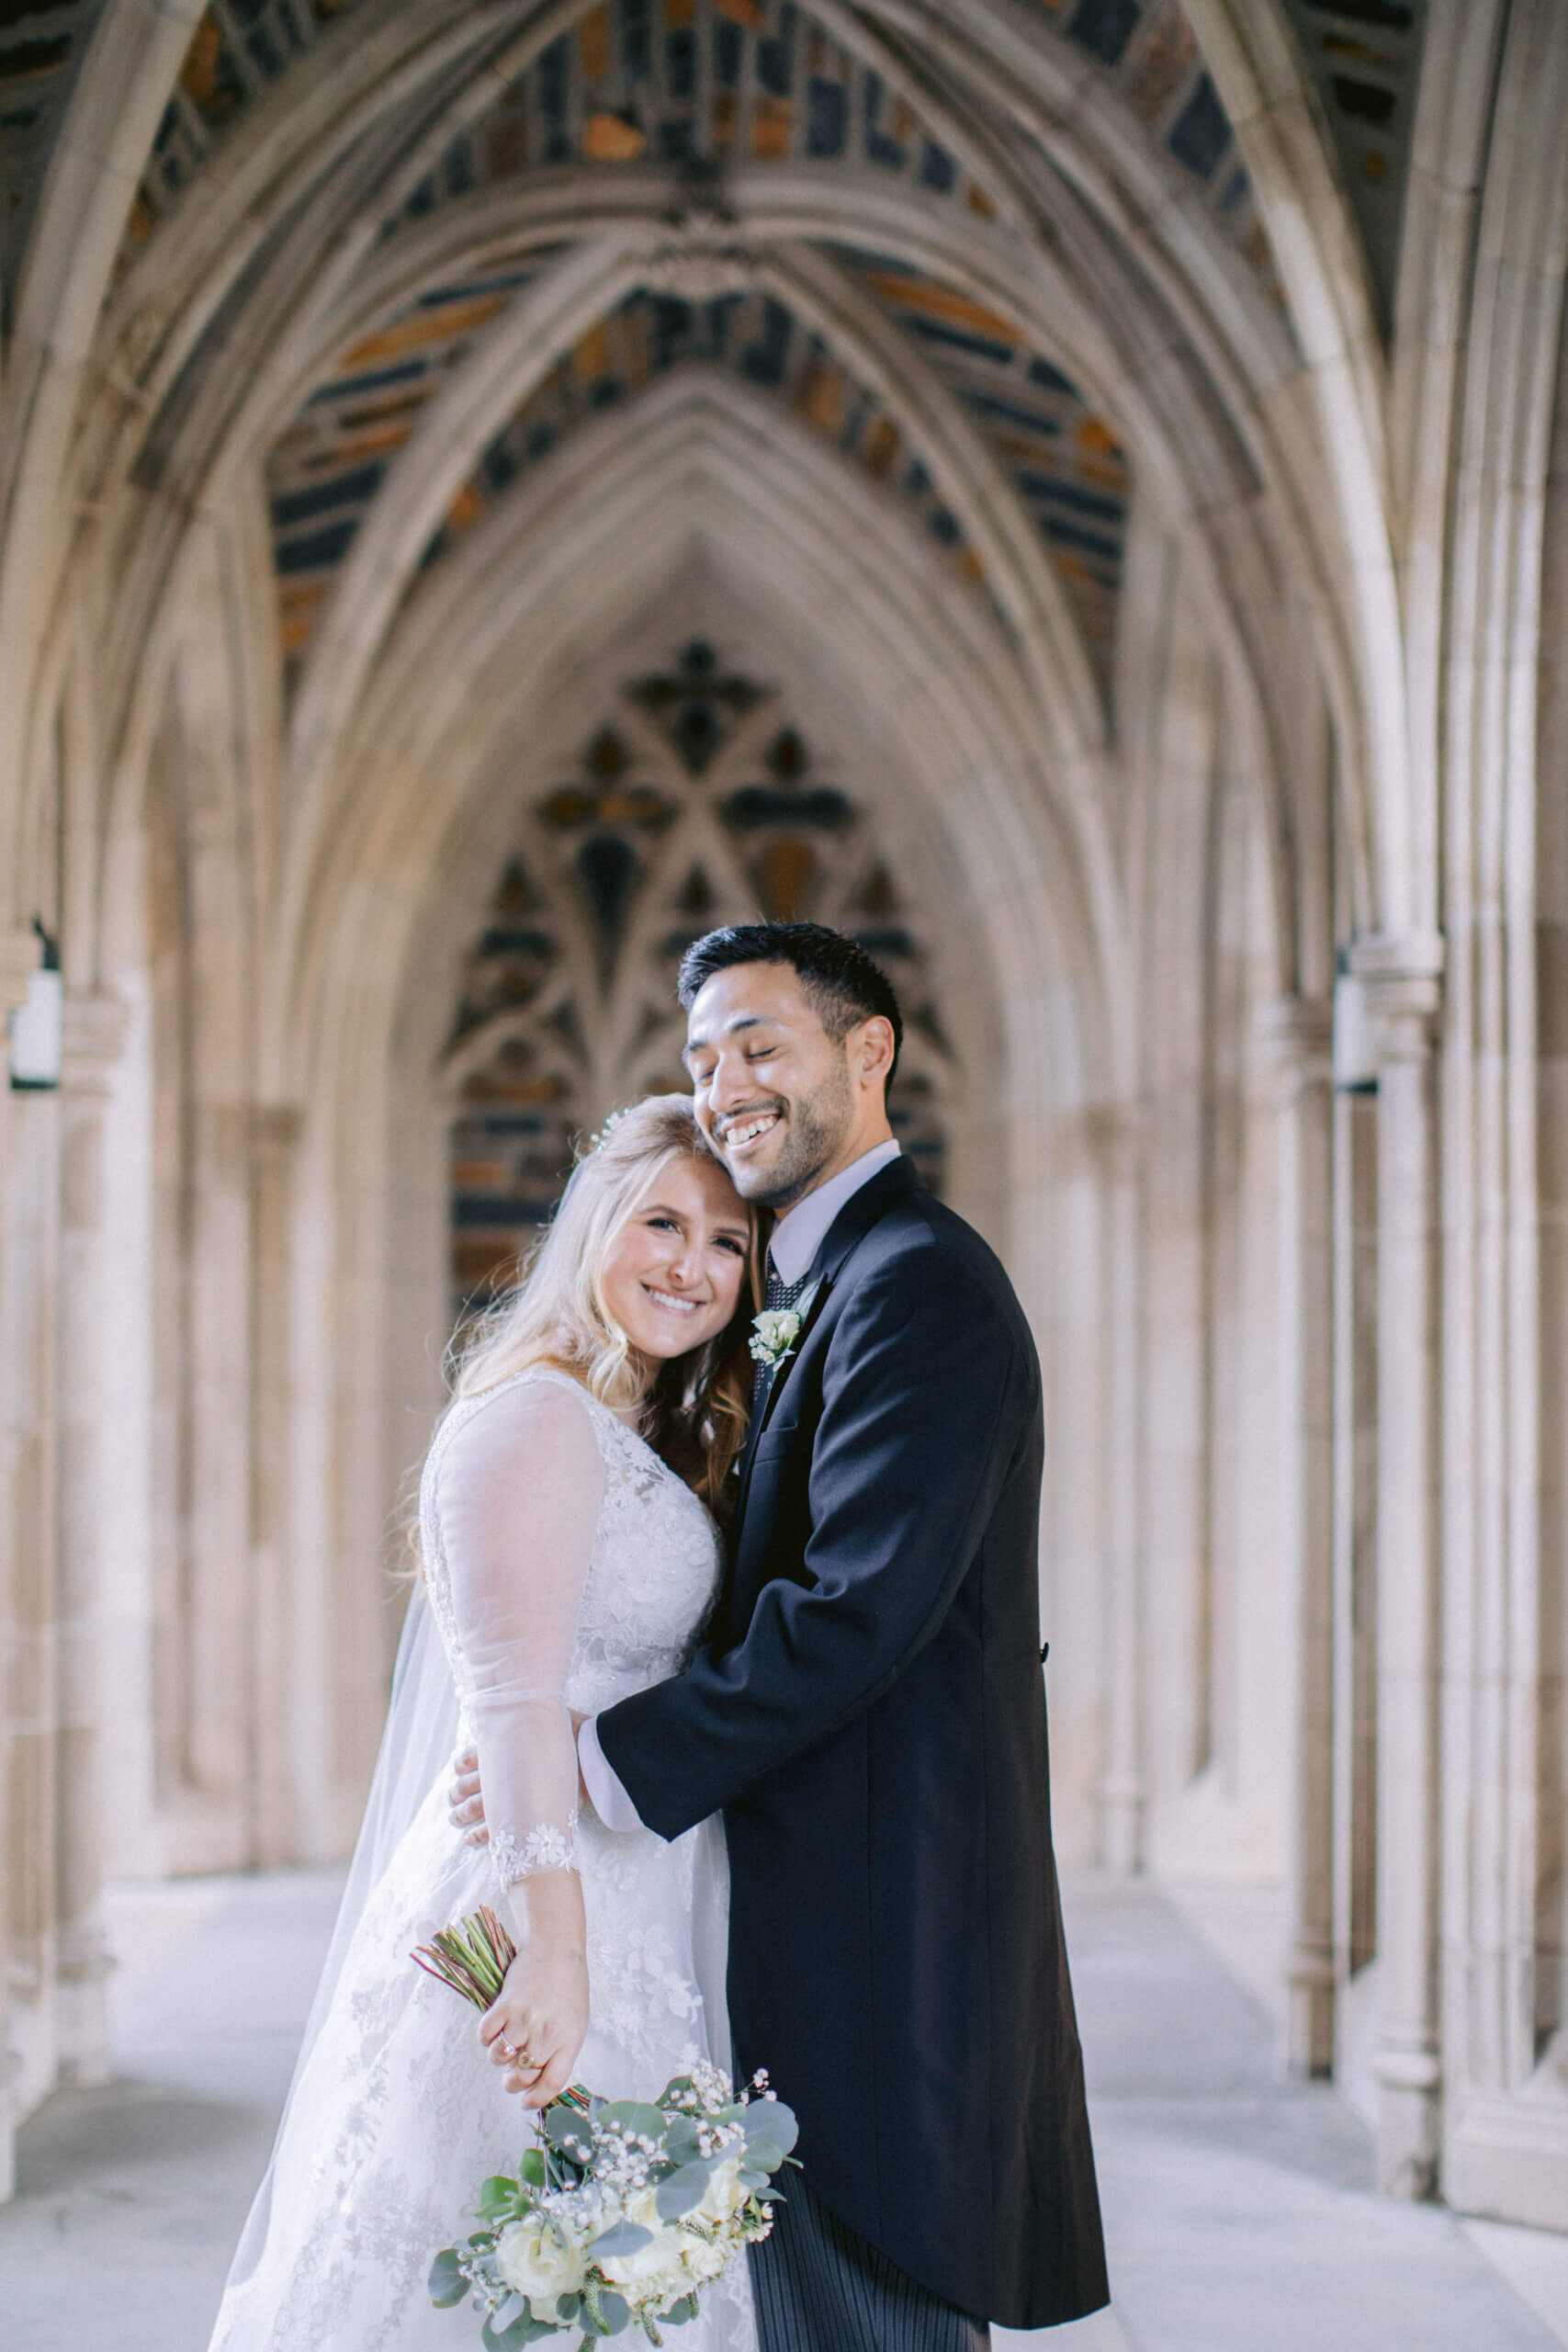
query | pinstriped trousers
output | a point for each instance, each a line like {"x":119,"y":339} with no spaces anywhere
{"x":819,"y":2288}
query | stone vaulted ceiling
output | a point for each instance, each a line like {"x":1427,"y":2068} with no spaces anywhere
{"x":516,"y":134}
{"x":694,"y":86}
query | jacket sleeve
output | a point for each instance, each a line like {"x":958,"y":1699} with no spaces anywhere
{"x":919,"y":1421}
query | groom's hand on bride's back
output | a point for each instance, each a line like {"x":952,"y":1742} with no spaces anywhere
{"x":466,"y":1798}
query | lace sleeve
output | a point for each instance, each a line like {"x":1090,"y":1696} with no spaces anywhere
{"x":518,"y":1495}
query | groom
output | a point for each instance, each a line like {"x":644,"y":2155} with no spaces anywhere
{"x":869,"y":1712}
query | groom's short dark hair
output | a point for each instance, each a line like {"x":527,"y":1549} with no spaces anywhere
{"x":844,"y":985}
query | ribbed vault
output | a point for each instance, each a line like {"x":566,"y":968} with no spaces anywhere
{"x":434,"y":246}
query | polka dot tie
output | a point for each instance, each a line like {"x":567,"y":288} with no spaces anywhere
{"x":778,"y":1296}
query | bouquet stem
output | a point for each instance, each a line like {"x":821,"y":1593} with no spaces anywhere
{"x":472,"y":1956}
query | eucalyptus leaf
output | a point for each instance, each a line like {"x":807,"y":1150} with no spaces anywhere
{"x":683,"y":2189}
{"x":498,"y":2198}
{"x":568,"y":2131}
{"x":770,"y":2119}
{"x":682,"y":2141}
{"x":523,"y":2329}
{"x":621,"y":2237}
{"x":448,"y":2284}
{"x":634,"y":2115}
{"x":532,"y":2168}
{"x":679,"y":2313}
{"x":496,"y":2335}
{"x":614,"y":2311}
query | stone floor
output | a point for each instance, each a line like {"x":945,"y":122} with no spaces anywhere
{"x":1238,"y":2208}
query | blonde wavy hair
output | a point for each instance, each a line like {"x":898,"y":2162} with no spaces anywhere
{"x":694,"y":1412}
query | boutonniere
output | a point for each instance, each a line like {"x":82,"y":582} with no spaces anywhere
{"x":774,"y":1333}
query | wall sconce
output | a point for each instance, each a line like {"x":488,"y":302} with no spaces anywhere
{"x":1355,"y":1038}
{"x":38,"y":1026}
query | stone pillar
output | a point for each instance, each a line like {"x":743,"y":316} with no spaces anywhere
{"x":94,"y":1028}
{"x":1297,"y":1034}
{"x":18,"y":957}
{"x":28,"y":1261}
{"x":1403,"y":991}
{"x":1355,"y":1579}
{"x":1124,"y":1792}
{"x":274,"y":1131}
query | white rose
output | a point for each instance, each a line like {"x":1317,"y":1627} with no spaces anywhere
{"x":706,"y":2260}
{"x":655,"y":2272}
{"x":724,"y":2196}
{"x":536,"y":2259}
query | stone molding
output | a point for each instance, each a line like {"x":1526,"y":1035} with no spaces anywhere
{"x":1402,"y":983}
{"x":94,"y":1036}
{"x":1295,"y":1039}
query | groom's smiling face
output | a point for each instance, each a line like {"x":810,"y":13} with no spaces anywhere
{"x":772,"y":1091}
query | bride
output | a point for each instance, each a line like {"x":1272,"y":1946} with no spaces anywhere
{"x":570,"y":1556}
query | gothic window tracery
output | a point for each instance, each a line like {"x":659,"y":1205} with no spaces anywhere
{"x":698,"y":802}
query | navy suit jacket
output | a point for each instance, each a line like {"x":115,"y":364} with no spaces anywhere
{"x":869,"y":1713}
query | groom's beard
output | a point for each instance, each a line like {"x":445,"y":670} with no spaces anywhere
{"x":814,"y":1129}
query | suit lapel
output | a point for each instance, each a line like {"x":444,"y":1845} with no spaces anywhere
{"x":776,"y":1375}
{"x":853,"y":1222}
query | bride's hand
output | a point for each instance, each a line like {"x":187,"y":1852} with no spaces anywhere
{"x":537,"y":2025}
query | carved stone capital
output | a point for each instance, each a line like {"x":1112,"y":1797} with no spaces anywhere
{"x":1294,"y":1040}
{"x":1402,"y":984}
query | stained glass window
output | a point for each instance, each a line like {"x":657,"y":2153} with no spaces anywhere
{"x":698,"y":802}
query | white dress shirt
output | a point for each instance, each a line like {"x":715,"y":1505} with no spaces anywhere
{"x":797,"y":1237}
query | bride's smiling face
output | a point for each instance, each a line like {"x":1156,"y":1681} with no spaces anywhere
{"x":671,"y":1277}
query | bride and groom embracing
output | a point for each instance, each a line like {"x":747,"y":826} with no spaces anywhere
{"x":777,"y":1573}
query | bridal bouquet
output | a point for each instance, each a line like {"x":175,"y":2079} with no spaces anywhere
{"x":625,"y":2210}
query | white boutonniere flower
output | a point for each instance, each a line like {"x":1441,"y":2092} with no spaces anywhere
{"x":774,"y":1333}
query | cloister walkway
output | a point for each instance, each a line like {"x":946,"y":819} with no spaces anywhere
{"x":1240,"y":2211}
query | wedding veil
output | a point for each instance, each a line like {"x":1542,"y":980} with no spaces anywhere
{"x":418,"y":1740}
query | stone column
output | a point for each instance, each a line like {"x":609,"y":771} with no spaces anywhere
{"x":1403,"y":991}
{"x":1124,"y":1792}
{"x":274,"y":1131}
{"x":1354,"y":1571}
{"x":95,"y":1029}
{"x":28,"y":1754}
{"x":1297,"y":1034}
{"x":18,"y":958}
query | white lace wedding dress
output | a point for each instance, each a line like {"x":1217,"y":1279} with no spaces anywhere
{"x":566,"y":1566}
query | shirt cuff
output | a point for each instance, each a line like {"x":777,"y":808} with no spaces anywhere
{"x":606,"y":1794}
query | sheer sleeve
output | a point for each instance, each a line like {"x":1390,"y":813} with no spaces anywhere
{"x":518,"y":1496}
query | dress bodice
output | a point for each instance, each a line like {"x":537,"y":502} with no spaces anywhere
{"x":652,"y":1574}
